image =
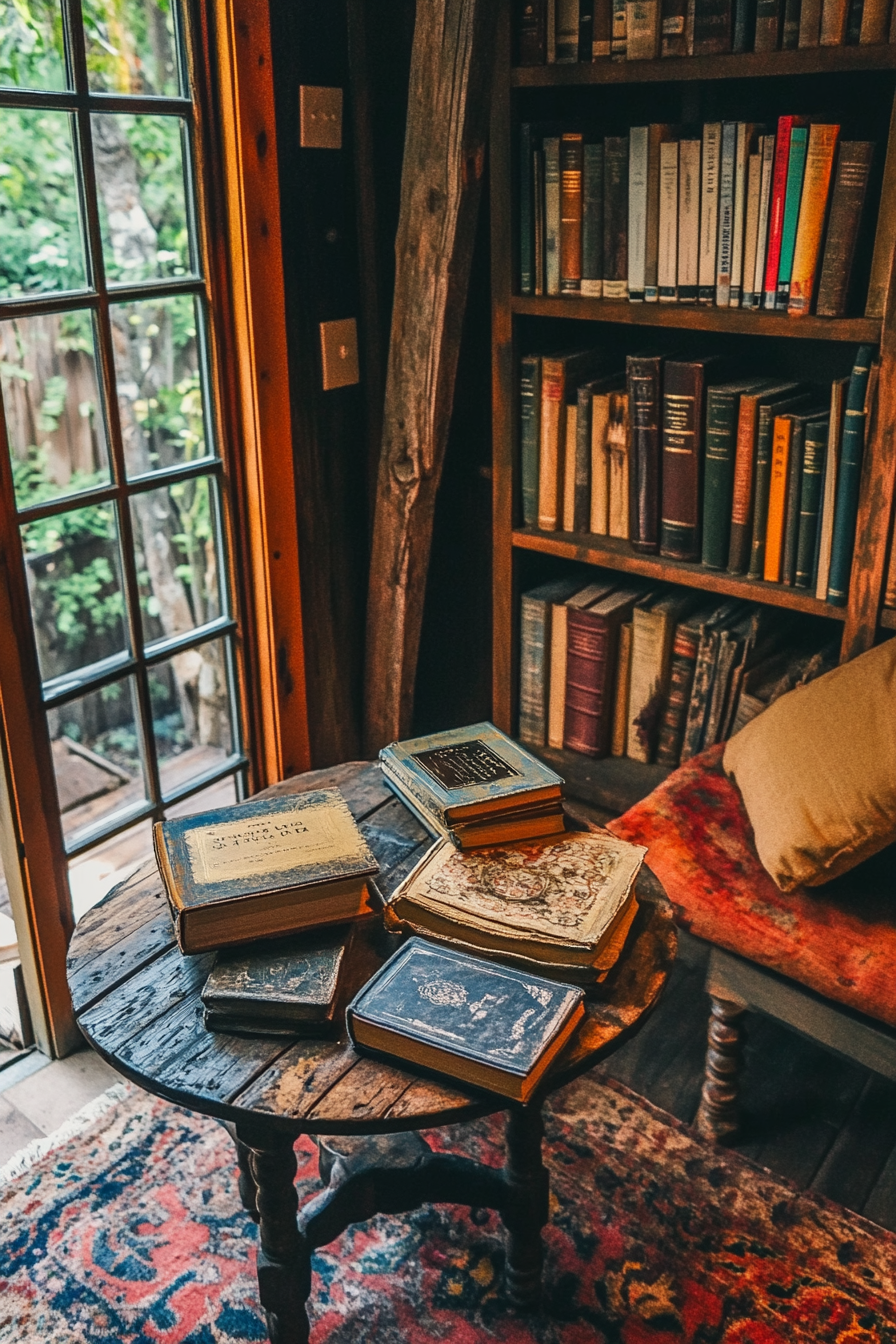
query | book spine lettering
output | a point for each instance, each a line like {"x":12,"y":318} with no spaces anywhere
{"x":744,"y":135}
{"x":765,"y":196}
{"x":571,"y":159}
{"x":530,"y":425}
{"x":712,"y":27}
{"x":688,"y":220}
{"x":552,"y":214}
{"x":709,"y":210}
{"x":777,"y":499}
{"x":814,"y":453}
{"x":637,"y":211}
{"x":656,"y":135}
{"x":813,"y":209}
{"x":681,"y":681}
{"x":589,"y":674}
{"x":776,"y":211}
{"x":673,"y":19}
{"x":667,"y":261}
{"x":795,"y":165}
{"x":593,"y":221}
{"x":742,"y":490}
{"x":682,"y":432}
{"x":726,"y":214}
{"x":847,"y":201}
{"x":616,"y":217}
{"x":618,"y":40}
{"x":644,"y":377}
{"x":718,"y":478}
{"x":849,"y":476}
{"x":764,"y":434}
{"x":790,"y":532}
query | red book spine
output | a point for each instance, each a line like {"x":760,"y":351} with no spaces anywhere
{"x":589,"y":684}
{"x":776,"y":210}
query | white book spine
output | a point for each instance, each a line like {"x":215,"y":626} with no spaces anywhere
{"x":600,"y":464}
{"x":751,"y":228}
{"x":637,"y":211}
{"x":688,"y":220}
{"x":709,"y":210}
{"x":726,"y":213}
{"x":765,"y":196}
{"x":668,"y":255}
{"x":552,"y":214}
{"x":741,"y":154}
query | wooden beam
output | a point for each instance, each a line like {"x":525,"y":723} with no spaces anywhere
{"x":444,"y":163}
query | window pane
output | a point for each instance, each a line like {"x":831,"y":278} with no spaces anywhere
{"x":51,"y":399}
{"x":191,"y":718}
{"x":131,"y":47}
{"x":175,"y":535}
{"x":97,"y":755}
{"x":221,"y":794}
{"x":31,"y":47}
{"x":93,"y":874}
{"x":143,"y":213}
{"x":41,"y":241}
{"x":74,"y":578}
{"x":159,"y":360}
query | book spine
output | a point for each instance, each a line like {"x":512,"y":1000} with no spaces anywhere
{"x":768,"y":23}
{"x":531,"y":32}
{"x":599,"y":522}
{"x":568,"y":476}
{"x":552,"y":214}
{"x":814,"y":453}
{"x":681,"y":681}
{"x":567,"y":19}
{"x":620,"y":699}
{"x":742,"y":489}
{"x":642,"y":30}
{"x":538,"y":220}
{"x":849,"y":476}
{"x":776,"y":211}
{"x":644,"y":378}
{"x":688,"y":220}
{"x":700,"y":691}
{"x":712,"y":27}
{"x":810,"y":23}
{"x":619,"y":451}
{"x":602,"y":35}
{"x":790,"y":532}
{"x":667,"y":260}
{"x":751,"y":228}
{"x":530,"y":425}
{"x":795,"y":165}
{"x":726,"y":214}
{"x":777,"y":499}
{"x":556,"y":691}
{"x":854,"y":22}
{"x":765,"y":197}
{"x":673,"y":19}
{"x":790,"y":31}
{"x":764,"y":434}
{"x":885,"y":235}
{"x":813,"y":209}
{"x":829,"y":498}
{"x":571,"y":159}
{"x":586,"y":29}
{"x":589,"y":675}
{"x":637,"y":211}
{"x":551,"y":32}
{"x":581,"y":511}
{"x":655,"y":137}
{"x":534,"y":615}
{"x":616,"y":217}
{"x":744,"y":25}
{"x":682,"y":432}
{"x":741,"y":154}
{"x":649,"y":682}
{"x":718,"y":478}
{"x":847,"y":201}
{"x":527,"y":215}
{"x":618,"y":39}
{"x":834,"y":17}
{"x":875,"y":22}
{"x":553,"y":435}
{"x":593,"y":220}
{"x":709,"y":210}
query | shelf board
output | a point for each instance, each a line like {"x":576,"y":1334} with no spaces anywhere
{"x":615,"y":554}
{"x":700,"y":317}
{"x":614,"y":783}
{"x":730,"y":65}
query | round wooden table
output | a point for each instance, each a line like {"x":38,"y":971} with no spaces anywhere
{"x":136,"y":999}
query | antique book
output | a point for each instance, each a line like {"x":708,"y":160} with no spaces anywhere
{"x":571,"y":163}
{"x":712,"y":27}
{"x":688,"y":220}
{"x":782,"y":436}
{"x":790,"y":28}
{"x":854,"y":22}
{"x":875,"y":22}
{"x":747,"y":132}
{"x":673,"y":26}
{"x":284,"y":986}
{"x":593,"y":220}
{"x":848,"y":477}
{"x":619,"y":734}
{"x":829,"y":491}
{"x":726,"y":213}
{"x":667,"y":257}
{"x":751,"y":226}
{"x":847,"y":201}
{"x":258,"y":869}
{"x":810,"y":23}
{"x":531,"y":29}
{"x":701,"y":686}
{"x":536,"y":609}
{"x":769,"y":14}
{"x":619,"y":439}
{"x":657,"y":134}
{"x":602,"y":31}
{"x":801,"y":425}
{"x":776,"y":211}
{"x":474,"y":786}
{"x":618,"y":38}
{"x":684,"y":400}
{"x":767,"y":144}
{"x":654,"y":620}
{"x":768,"y":411}
{"x":530,"y":433}
{"x":586,"y":29}
{"x":744,"y":470}
{"x":551,"y":26}
{"x":638,"y":155}
{"x":722,"y":423}
{"x":567,"y":39}
{"x":560,"y":376}
{"x":885,"y":232}
{"x":599,"y":514}
{"x":685,"y":647}
{"x":814,"y":454}
{"x":597,"y":390}
{"x":644,"y":381}
{"x":834,"y":17}
{"x":743,"y":25}
{"x":552,"y":214}
{"x":527,"y":213}
{"x":583,"y":597}
{"x":558,"y":901}
{"x":813,"y":212}
{"x":491,"y":1027}
{"x":538,"y":221}
{"x":709,"y":210}
{"x":616,"y":217}
{"x":796,"y":162}
{"x":592,"y":641}
{"x":568,"y":473}
{"x":642,"y":23}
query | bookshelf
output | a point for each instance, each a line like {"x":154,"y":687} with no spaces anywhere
{"x":615,"y":94}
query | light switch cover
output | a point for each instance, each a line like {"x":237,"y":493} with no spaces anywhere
{"x":339,"y":353}
{"x":320,"y":117}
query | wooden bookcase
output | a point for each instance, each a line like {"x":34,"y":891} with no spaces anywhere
{"x":844,"y":83}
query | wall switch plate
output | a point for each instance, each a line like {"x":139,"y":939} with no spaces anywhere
{"x":339,"y":353}
{"x":320,"y":117}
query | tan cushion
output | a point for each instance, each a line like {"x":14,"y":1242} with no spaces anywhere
{"x":817,"y":772}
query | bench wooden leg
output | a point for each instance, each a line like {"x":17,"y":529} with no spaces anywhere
{"x":718,"y":1116}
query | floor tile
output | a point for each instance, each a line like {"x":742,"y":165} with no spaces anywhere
{"x":16,"y":1130}
{"x":49,"y":1097}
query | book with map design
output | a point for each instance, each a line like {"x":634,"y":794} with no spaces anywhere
{"x":475,"y":786}
{"x":491,"y":1027}
{"x":263,"y":868}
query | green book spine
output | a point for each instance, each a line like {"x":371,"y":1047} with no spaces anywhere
{"x":815,"y":450}
{"x":530,"y":427}
{"x":792,"y":503}
{"x":593,"y":221}
{"x":718,"y":474}
{"x":799,"y":138}
{"x":760,"y":494}
{"x":533,"y":689}
{"x":846,"y":506}
{"x":527,"y":235}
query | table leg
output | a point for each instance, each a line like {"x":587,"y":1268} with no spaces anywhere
{"x":526,"y":1210}
{"x":284,"y":1257}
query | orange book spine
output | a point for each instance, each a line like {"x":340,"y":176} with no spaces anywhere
{"x":777,"y":499}
{"x":813,"y":210}
{"x":571,"y":166}
{"x":553,"y":434}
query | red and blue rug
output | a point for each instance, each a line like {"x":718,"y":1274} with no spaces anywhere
{"x":131,"y":1232}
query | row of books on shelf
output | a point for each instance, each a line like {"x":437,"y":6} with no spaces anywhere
{"x":565,"y":32}
{"x":622,"y":668}
{"x":728,"y":215}
{"x":757,"y":476}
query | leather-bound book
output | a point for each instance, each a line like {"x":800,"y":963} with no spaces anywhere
{"x":602,"y":32}
{"x":667,"y":257}
{"x":593,"y":220}
{"x":618,"y":39}
{"x":571,"y":159}
{"x":592,"y":644}
{"x":527,"y":213}
{"x":745,"y":471}
{"x":684,"y":400}
{"x":536,"y":609}
{"x":531,"y":30}
{"x":810,"y":23}
{"x":790,"y":28}
{"x":834,"y":19}
{"x":586,"y":29}
{"x":722,"y":419}
{"x":552,"y":214}
{"x":280,"y":986}
{"x":644,"y":374}
{"x":763,"y":475}
{"x":769,"y":14}
{"x":654,"y":620}
{"x":875,"y":22}
{"x":712,"y":27}
{"x":704,"y":672}
{"x":848,"y":478}
{"x":688,"y":220}
{"x":619,"y":453}
{"x":685,"y":647}
{"x":559,"y":651}
{"x":560,"y":375}
{"x":813,"y":211}
{"x":416,"y":1009}
{"x":673,"y":28}
{"x":619,"y":735}
{"x":829,"y":487}
{"x":567,"y":20}
{"x":616,"y":217}
{"x":814,"y":453}
{"x":847,"y":201}
{"x":530,"y":428}
{"x":743,"y":25}
{"x":796,"y":465}
{"x":642,"y":21}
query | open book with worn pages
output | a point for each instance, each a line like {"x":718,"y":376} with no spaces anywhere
{"x":564,"y":905}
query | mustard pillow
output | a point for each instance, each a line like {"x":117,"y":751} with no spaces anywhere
{"x":817,"y":772}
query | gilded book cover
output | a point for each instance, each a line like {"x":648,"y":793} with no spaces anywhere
{"x":490,"y":1025}
{"x":287,"y":983}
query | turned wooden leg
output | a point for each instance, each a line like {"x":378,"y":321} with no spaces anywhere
{"x":526,"y":1210}
{"x":718,"y":1116}
{"x":284,"y":1258}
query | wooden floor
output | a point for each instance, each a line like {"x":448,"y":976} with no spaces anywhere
{"x":818,"y":1120}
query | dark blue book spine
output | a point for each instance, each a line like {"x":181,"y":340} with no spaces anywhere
{"x":527,"y":233}
{"x":847,"y":503}
{"x":530,"y":426}
{"x":815,"y":450}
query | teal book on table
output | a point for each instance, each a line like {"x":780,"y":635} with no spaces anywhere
{"x":475,"y":786}
{"x":492,"y":1027}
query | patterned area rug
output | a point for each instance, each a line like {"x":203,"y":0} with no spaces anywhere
{"x":131,"y":1232}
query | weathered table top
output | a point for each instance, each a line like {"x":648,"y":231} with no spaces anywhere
{"x":136,"y":999}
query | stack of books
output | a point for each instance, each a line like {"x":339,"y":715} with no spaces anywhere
{"x":757,"y":476}
{"x":618,"y":668}
{"x":564,"y":32}
{"x":731,"y":213}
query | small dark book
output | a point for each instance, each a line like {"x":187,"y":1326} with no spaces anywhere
{"x":712,"y":27}
{"x":282,"y":986}
{"x":854,"y":159}
{"x":491,"y":1027}
{"x":684,"y":399}
{"x":531,"y":31}
{"x":644,"y":376}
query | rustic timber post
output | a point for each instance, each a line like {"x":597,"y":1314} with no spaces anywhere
{"x":444,"y":163}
